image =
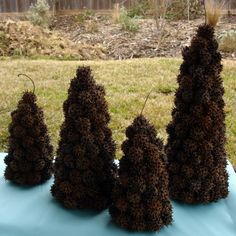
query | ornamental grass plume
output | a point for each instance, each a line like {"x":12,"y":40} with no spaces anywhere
{"x":196,"y":143}
{"x":213,"y":10}
{"x":30,"y":154}
{"x":84,"y":167}
{"x":140,"y":198}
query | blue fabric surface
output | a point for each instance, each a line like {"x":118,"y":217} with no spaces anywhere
{"x":33,"y":212}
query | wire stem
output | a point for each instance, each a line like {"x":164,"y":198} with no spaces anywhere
{"x":144,"y":105}
{"x":29,"y":79}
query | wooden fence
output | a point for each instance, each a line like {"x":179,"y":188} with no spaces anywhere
{"x":19,"y":6}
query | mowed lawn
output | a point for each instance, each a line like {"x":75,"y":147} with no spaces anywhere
{"x":127,"y":84}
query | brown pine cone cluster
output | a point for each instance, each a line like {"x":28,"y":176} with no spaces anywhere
{"x":30,"y":154}
{"x":84,"y":167}
{"x":140,"y":198}
{"x":196,"y":143}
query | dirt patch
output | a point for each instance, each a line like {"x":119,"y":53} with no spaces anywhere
{"x":146,"y":42}
{"x":97,"y":37}
{"x":21,"y":38}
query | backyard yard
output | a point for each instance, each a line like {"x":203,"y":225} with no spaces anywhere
{"x":127,"y":84}
{"x":173,"y":118}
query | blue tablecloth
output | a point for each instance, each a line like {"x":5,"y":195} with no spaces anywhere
{"x":33,"y":212}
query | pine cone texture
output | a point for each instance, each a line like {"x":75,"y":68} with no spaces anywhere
{"x":140,"y":198}
{"x":30,"y":154}
{"x":196,"y":143}
{"x":84,"y":168}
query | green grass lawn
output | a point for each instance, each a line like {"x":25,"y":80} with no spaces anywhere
{"x":127,"y":84}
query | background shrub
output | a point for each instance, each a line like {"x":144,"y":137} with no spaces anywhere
{"x":39,"y":13}
{"x":227,"y":41}
{"x":176,"y":9}
{"x":128,"y":23}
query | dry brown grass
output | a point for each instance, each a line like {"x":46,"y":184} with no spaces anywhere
{"x":228,"y":43}
{"x":116,"y":13}
{"x":213,"y":11}
{"x":127,"y":84}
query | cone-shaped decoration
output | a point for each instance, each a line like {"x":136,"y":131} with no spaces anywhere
{"x":30,"y":155}
{"x":140,"y":198}
{"x":84,"y":168}
{"x":196,"y":143}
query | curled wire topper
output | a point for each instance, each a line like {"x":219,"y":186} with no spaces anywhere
{"x":29,"y":79}
{"x":144,"y":105}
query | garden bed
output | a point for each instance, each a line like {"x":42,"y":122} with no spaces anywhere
{"x":146,"y":42}
{"x":98,"y":37}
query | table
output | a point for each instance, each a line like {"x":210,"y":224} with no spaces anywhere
{"x":31,"y":211}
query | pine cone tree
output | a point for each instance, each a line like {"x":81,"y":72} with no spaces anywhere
{"x":140,"y":199}
{"x":30,"y":155}
{"x":196,"y":143}
{"x":84,"y":168}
